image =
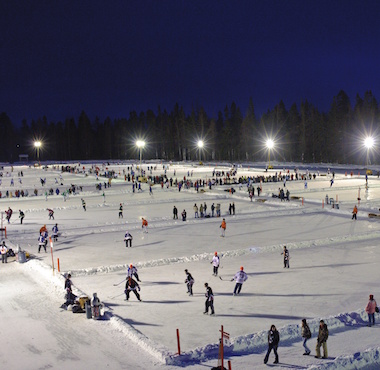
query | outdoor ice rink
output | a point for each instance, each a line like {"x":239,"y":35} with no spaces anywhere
{"x":334,"y":266}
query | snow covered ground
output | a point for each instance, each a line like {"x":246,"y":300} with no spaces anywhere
{"x":334,"y":266}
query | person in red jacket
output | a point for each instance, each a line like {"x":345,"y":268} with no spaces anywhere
{"x":223,"y":227}
{"x":371,"y":309}
{"x":354,"y":213}
{"x":144,"y":225}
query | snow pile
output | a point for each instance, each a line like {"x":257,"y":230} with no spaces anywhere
{"x":367,"y":360}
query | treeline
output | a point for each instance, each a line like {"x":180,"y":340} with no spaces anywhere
{"x":301,"y":134}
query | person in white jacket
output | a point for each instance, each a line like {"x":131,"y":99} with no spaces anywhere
{"x":215,"y":263}
{"x":240,"y":278}
{"x":128,"y":238}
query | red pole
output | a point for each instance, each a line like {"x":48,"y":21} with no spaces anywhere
{"x":302,"y":200}
{"x":229,"y":365}
{"x":59,"y":270}
{"x":222,"y":350}
{"x":5,"y":229}
{"x":323,"y":204}
{"x":179,"y":346}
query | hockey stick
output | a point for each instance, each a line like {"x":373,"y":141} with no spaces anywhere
{"x":119,"y":283}
{"x":223,"y":279}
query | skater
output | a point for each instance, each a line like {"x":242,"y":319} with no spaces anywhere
{"x":8,"y":213}
{"x":4,"y":253}
{"x":286,"y":257}
{"x":240,"y":278}
{"x":215,"y":263}
{"x":189,"y":282}
{"x":230,"y":209}
{"x":144,"y":225}
{"x":55,"y":232}
{"x":21,"y":215}
{"x":83,"y":204}
{"x":131,"y":285}
{"x":41,"y":243}
{"x":323,"y":334}
{"x":306,"y":335}
{"x":175,"y":213}
{"x":121,"y":211}
{"x":51,"y":213}
{"x":128,"y":238}
{"x":209,"y":300}
{"x":212,"y":210}
{"x":223,"y":227}
{"x":233,"y":208}
{"x":183,"y":214}
{"x":132,"y":271}
{"x":273,"y":340}
{"x":370,"y":309}
{"x":354,"y":213}
{"x":217,"y":209}
{"x":195,"y":208}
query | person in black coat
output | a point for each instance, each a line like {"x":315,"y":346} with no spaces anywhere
{"x":131,"y":284}
{"x":209,"y":300}
{"x":273,"y":340}
{"x":175,"y":213}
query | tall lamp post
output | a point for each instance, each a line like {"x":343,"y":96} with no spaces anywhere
{"x":200,"y":146}
{"x":37,"y":145}
{"x":270,"y":145}
{"x":140,"y":144}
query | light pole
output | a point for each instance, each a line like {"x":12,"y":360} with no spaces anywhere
{"x":37,"y":145}
{"x":200,"y":146}
{"x":140,"y":144}
{"x":270,"y":145}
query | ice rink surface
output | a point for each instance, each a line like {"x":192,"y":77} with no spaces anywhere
{"x":334,"y":266}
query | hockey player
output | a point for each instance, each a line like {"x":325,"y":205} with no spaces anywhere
{"x":189,"y":282}
{"x":132,"y":271}
{"x":51,"y":213}
{"x":240,"y":278}
{"x":354,"y":213}
{"x":55,"y":232}
{"x":209,"y":300}
{"x":21,"y":215}
{"x":9,"y":212}
{"x":223,"y":227}
{"x":121,"y":211}
{"x":175,"y":213}
{"x":41,"y":243}
{"x":131,"y":285}
{"x":83,"y":204}
{"x":144,"y":225}
{"x":286,"y":257}
{"x":215,"y":263}
{"x":183,"y":214}
{"x":128,"y":238}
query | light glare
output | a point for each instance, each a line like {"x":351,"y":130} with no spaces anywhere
{"x":270,"y":144}
{"x":368,"y":142}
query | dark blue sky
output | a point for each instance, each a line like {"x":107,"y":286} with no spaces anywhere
{"x":107,"y":58}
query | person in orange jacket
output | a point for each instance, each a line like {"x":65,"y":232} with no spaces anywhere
{"x":144,"y":225}
{"x":223,"y":227}
{"x":354,"y":213}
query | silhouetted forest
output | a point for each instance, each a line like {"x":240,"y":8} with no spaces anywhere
{"x":301,"y":134}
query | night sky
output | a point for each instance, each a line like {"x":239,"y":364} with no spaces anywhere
{"x":108,"y":58}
